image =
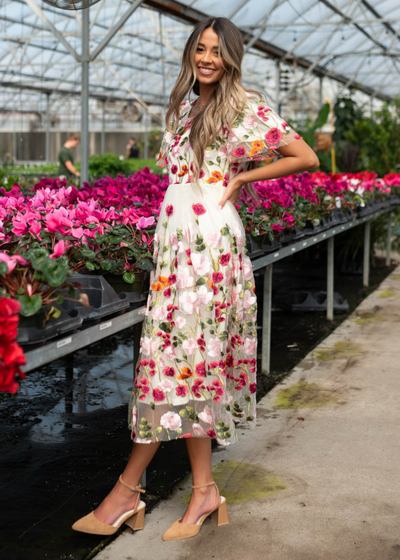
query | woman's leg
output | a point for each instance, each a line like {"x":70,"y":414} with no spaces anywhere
{"x":203,"y":499}
{"x":121,"y":499}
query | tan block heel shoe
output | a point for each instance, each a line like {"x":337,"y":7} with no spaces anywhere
{"x":219,"y":515}
{"x":134,"y":518}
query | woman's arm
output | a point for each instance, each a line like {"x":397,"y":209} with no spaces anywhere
{"x":298,"y":156}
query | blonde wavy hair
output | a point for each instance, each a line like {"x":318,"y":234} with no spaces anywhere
{"x":226,"y":102}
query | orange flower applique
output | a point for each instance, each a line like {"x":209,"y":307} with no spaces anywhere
{"x":258,"y":144}
{"x":185,"y":373}
{"x":216,"y":176}
{"x":160,"y":285}
{"x":183,"y":171}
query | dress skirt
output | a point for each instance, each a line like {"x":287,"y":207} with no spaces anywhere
{"x":196,"y":372}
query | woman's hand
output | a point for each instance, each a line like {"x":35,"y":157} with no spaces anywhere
{"x":232,"y":191}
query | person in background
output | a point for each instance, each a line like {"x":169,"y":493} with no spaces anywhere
{"x":66,"y":158}
{"x":132,"y":151}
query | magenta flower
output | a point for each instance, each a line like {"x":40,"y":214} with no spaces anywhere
{"x":145,"y":222}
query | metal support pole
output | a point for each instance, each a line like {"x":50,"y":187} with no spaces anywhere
{"x":266,"y":322}
{"x":389,"y":239}
{"x":85,"y":98}
{"x":321,"y":91}
{"x":103,"y":129}
{"x":14,"y":139}
{"x":330,"y":280}
{"x":146,"y":119}
{"x":278,"y":85}
{"x":47,"y":155}
{"x":367,"y":244}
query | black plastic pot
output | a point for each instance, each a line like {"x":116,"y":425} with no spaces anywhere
{"x":103,"y":299}
{"x":337,"y":216}
{"x":313,"y":302}
{"x":254,"y":246}
{"x":269,"y":246}
{"x":372,"y":206}
{"x":136,"y":293}
{"x":35,"y":329}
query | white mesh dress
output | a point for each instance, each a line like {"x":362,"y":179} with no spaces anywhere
{"x":196,"y":373}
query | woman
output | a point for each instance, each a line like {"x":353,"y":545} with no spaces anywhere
{"x":196,"y":374}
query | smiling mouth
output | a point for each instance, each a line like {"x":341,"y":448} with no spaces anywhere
{"x":206,"y":71}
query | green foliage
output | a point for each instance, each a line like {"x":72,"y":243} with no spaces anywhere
{"x":365,"y":143}
{"x":110,"y":164}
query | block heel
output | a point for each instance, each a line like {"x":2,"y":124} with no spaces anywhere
{"x":136,"y":522}
{"x":220,"y":515}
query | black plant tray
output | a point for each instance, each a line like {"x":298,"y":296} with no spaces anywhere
{"x":313,"y":301}
{"x":103,"y":299}
{"x":34,"y":329}
{"x":372,"y":206}
{"x":269,"y":246}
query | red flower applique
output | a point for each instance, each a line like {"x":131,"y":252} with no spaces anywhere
{"x":239,"y":152}
{"x":217,"y":277}
{"x":198,"y":209}
{"x":200,"y":369}
{"x":181,"y":390}
{"x":224,"y":259}
{"x":211,"y":433}
{"x":158,"y":395}
{"x":169,"y":209}
{"x":273,"y":136}
{"x":169,"y":371}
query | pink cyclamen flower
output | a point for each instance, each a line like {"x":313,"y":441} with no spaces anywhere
{"x":145,"y":222}
{"x":59,"y":249}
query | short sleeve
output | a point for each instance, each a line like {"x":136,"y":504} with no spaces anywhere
{"x":64,"y":156}
{"x":257,"y":133}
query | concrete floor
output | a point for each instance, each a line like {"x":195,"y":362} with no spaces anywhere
{"x":318,"y":481}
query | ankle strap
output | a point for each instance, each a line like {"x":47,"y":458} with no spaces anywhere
{"x":203,"y":485}
{"x":133,"y":488}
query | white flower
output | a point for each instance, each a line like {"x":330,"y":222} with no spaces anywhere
{"x":201,"y":263}
{"x":181,"y":322}
{"x":250,"y":122}
{"x":149,"y":345}
{"x":214,"y":348}
{"x":159,"y":313}
{"x":168,"y":137}
{"x":134,"y":415}
{"x":250,"y":346}
{"x":206,"y":416}
{"x":249,"y":299}
{"x":171,"y":421}
{"x":169,"y":352}
{"x":247,"y":268}
{"x":214,"y":239}
{"x":189,"y":346}
{"x":184,"y":278}
{"x":204,"y":296}
{"x":187,"y":301}
{"x":197,"y":429}
{"x":173,"y":241}
{"x":181,"y":247}
{"x":166,"y":385}
{"x":188,"y":232}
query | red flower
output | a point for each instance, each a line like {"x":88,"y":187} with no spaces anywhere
{"x":181,"y":390}
{"x":185,"y":436}
{"x":253,"y":387}
{"x":211,"y":433}
{"x":174,"y":169}
{"x":169,"y":371}
{"x":171,"y":279}
{"x":224,"y":259}
{"x":229,"y":360}
{"x":273,"y":136}
{"x":169,"y":209}
{"x":198,"y":209}
{"x":200,"y":369}
{"x":239,"y":152}
{"x":158,"y":395}
{"x":167,"y":292}
{"x":217,"y":277}
{"x":202,"y":173}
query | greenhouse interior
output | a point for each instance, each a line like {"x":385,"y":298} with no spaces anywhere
{"x":99,"y":280}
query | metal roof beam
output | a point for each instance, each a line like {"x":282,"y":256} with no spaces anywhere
{"x":39,"y":12}
{"x":134,"y":6}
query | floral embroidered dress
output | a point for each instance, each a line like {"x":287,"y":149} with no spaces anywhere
{"x":196,"y":373}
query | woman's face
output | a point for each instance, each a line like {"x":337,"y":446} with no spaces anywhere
{"x":209,"y":67}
